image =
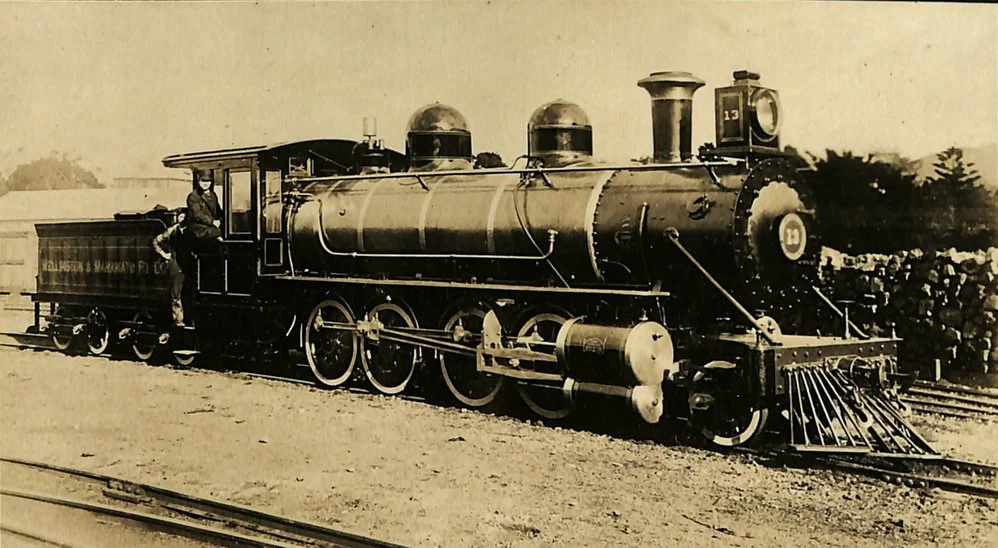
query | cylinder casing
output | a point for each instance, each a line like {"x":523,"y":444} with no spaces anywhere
{"x":616,"y":355}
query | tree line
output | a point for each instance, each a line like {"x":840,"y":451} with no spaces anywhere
{"x":870,"y":205}
{"x":57,"y":171}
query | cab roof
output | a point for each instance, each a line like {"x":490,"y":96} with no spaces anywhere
{"x":335,"y":151}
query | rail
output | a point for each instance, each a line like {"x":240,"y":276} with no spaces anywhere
{"x":27,"y":341}
{"x":884,"y":467}
{"x":188,"y":514}
{"x":949,"y":401}
{"x":910,"y":470}
{"x":915,"y":479}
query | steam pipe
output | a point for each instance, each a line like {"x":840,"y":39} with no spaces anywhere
{"x":673,"y":235}
{"x":522,"y":171}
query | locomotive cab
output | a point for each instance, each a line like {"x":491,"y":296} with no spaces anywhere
{"x":252,"y":184}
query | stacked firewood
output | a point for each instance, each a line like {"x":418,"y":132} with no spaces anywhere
{"x":944,"y":305}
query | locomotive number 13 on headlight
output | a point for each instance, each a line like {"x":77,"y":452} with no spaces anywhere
{"x":748,"y":116}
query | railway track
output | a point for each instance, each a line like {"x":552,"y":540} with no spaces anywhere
{"x":165,"y":510}
{"x":953,"y":401}
{"x":952,"y":475}
{"x":28,"y":341}
{"x":944,"y":473}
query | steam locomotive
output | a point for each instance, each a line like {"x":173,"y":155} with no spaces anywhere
{"x":663,"y":287}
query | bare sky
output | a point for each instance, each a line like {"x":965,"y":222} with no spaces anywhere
{"x":123,"y":85}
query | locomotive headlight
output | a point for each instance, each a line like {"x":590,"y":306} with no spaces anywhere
{"x":766,"y":114}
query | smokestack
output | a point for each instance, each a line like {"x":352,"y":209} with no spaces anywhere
{"x":672,"y":113}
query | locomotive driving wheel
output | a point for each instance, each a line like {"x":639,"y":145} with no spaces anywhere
{"x":548,"y":401}
{"x":331,"y":343}
{"x":98,"y":331}
{"x":470,"y":386}
{"x":143,"y":346}
{"x":389,"y":365}
{"x":732,"y":418}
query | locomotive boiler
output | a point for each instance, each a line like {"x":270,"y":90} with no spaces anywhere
{"x":663,"y":286}
{"x":575,"y":223}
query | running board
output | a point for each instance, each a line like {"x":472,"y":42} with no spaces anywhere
{"x":829,"y":413}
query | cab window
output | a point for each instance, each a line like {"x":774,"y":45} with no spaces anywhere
{"x":272,"y":201}
{"x":240,"y":193}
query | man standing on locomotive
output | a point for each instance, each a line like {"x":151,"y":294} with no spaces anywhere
{"x":171,"y":245}
{"x":203,"y":212}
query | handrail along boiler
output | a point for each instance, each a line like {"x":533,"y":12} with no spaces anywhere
{"x":663,"y":286}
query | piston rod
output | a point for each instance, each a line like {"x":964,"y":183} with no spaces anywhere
{"x":528,"y":171}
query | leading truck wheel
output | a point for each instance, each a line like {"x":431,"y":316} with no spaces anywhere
{"x":726,"y":418}
{"x":736,"y":430}
{"x":98,"y":331}
{"x":539,"y":332}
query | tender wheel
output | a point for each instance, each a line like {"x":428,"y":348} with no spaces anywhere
{"x":732,"y":419}
{"x":184,"y":359}
{"x":460,"y":373}
{"x":61,"y":342}
{"x":547,"y":401}
{"x":143,"y":347}
{"x":330,"y":343}
{"x":389,"y":365}
{"x":98,"y":331}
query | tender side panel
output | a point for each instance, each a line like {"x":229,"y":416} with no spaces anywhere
{"x":103,"y":262}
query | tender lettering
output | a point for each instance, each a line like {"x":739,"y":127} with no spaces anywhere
{"x":104,"y":267}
